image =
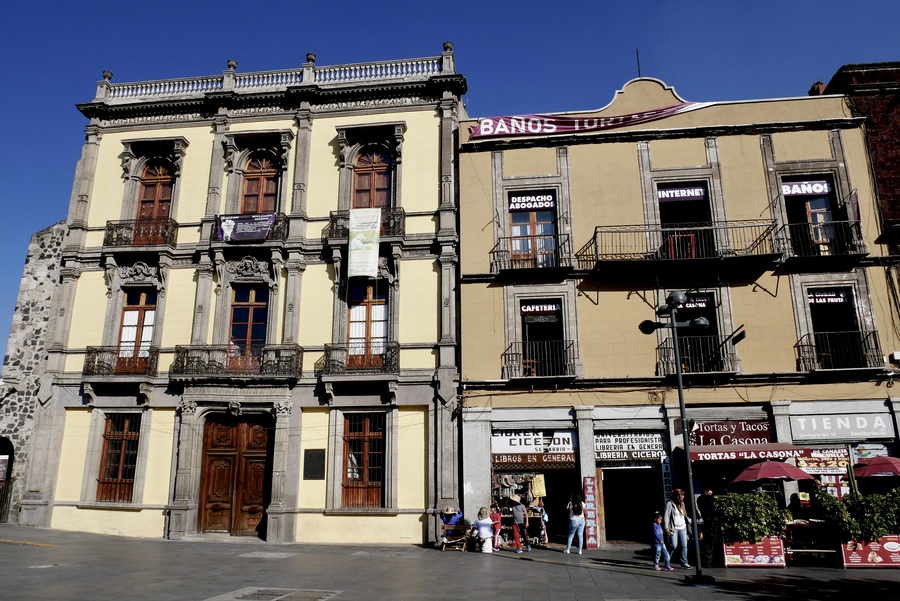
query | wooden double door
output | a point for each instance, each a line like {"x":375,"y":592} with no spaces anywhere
{"x":236,"y":480}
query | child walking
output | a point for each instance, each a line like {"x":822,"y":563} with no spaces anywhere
{"x":659,"y":545}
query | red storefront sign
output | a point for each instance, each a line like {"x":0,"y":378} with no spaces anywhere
{"x":767,"y":553}
{"x":591,"y":526}
{"x":881,"y":553}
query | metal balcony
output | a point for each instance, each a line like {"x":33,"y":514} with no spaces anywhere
{"x":831,"y":245}
{"x":141,"y":232}
{"x":393,"y":223}
{"x":346,"y":358}
{"x":230,"y":361}
{"x":248,"y":229}
{"x":115,"y":361}
{"x":531,"y":252}
{"x":839,"y":350}
{"x":699,"y":355}
{"x":541,"y":359}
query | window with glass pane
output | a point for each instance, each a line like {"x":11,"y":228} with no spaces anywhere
{"x":367,"y":328}
{"x":119,"y":460}
{"x":533,"y":241}
{"x":136,"y":332}
{"x":260,"y":186}
{"x":364,"y":460}
{"x":249,"y":319}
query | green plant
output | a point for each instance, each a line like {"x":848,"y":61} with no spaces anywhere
{"x":875,"y":514}
{"x":749,"y":517}
{"x":835,"y":514}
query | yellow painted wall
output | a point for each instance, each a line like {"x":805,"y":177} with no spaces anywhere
{"x":149,"y":523}
{"x":684,"y":152}
{"x":476,"y":223}
{"x":161,"y":446}
{"x":610,"y":344}
{"x":181,"y":291}
{"x":325,"y":529}
{"x":529,"y":162}
{"x":418,"y":359}
{"x":421,"y":224}
{"x":483,"y":337}
{"x":801,"y":145}
{"x":743,"y":178}
{"x":313,"y":435}
{"x":316,"y":309}
{"x":606,"y":188}
{"x":420,"y":307}
{"x":193,"y":184}
{"x":412,"y":484}
{"x":420,"y":178}
{"x":767,"y":313}
{"x":89,"y":310}
{"x":73,"y":455}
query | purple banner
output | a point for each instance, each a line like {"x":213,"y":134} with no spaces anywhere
{"x":532,"y":125}
{"x":245,"y":228}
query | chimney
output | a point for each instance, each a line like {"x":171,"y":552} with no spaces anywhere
{"x":817,"y":89}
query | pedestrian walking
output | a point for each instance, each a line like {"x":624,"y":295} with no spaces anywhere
{"x":676,"y":523}
{"x":520,"y":522}
{"x":576,"y":522}
{"x":659,"y":545}
{"x":496,"y":523}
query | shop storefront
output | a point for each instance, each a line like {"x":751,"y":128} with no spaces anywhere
{"x":541,"y":467}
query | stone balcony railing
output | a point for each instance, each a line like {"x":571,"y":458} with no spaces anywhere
{"x":406,"y":70}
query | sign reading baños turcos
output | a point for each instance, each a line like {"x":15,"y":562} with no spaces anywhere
{"x":531,"y":125}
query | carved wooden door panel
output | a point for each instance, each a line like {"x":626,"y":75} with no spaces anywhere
{"x":234,"y":479}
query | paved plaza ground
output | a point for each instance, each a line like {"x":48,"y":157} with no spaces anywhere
{"x":51,"y":565}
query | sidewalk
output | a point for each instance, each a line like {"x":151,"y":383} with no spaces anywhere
{"x":54,"y":565}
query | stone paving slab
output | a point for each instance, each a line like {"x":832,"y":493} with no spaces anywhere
{"x":42,"y":565}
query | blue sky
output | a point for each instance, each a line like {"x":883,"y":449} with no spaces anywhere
{"x":518,"y":57}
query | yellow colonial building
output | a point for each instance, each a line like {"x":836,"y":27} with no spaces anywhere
{"x":576,"y":227}
{"x":255,"y":329}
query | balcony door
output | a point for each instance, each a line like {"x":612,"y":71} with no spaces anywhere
{"x":700,"y":350}
{"x":367,"y":326}
{"x":260,"y":192}
{"x":544,"y":351}
{"x":809,"y":208}
{"x":686,"y":221}
{"x":249,"y":323}
{"x":372,"y":187}
{"x":154,"y":205}
{"x":136,"y":331}
{"x":838,"y":340}
{"x":533,"y":239}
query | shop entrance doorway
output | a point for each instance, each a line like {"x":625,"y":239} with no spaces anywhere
{"x":631,"y":497}
{"x":561,"y":485}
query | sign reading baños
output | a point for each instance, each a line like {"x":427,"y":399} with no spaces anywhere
{"x":531,"y":125}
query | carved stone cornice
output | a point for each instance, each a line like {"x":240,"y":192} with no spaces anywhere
{"x":249,"y":269}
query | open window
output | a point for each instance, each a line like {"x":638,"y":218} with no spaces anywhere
{"x":818,"y":225}
{"x":686,"y":221}
{"x":136,"y":330}
{"x":837,"y":340}
{"x":533,"y":236}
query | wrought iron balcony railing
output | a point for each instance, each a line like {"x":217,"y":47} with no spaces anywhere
{"x":250,"y":227}
{"x":141,"y":232}
{"x":346,"y":358}
{"x":839,"y":350}
{"x":225,"y":360}
{"x":541,"y":359}
{"x":678,"y":241}
{"x":830,"y":238}
{"x":699,"y":354}
{"x":116,"y":361}
{"x":531,"y":252}
{"x":393,"y":223}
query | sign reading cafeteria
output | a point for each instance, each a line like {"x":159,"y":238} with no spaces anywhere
{"x":530,"y":125}
{"x":628,"y":446}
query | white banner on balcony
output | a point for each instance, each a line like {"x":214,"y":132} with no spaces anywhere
{"x":365,"y":226}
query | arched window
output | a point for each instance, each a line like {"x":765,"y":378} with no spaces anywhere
{"x":372,"y":179}
{"x":154,"y":204}
{"x":260,"y":185}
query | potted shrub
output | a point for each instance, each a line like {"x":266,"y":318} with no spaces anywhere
{"x":751,"y":526}
{"x":873,"y":532}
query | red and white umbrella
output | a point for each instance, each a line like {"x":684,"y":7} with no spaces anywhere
{"x":772,"y":470}
{"x":877,"y":466}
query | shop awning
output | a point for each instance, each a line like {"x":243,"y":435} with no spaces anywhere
{"x":752,"y":452}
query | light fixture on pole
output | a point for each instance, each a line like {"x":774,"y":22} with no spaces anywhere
{"x":674,"y":302}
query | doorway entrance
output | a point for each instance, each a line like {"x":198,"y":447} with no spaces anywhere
{"x":235,"y":486}
{"x":631,"y":497}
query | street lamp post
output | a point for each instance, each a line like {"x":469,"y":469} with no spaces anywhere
{"x":675,"y":300}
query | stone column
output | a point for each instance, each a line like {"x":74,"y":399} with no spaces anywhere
{"x":587,"y":465}
{"x":203,"y":302}
{"x":298,"y":215}
{"x":781,"y":416}
{"x":183,"y":509}
{"x":280,"y":526}
{"x":295,"y":268}
{"x":83,"y":187}
{"x":216,"y":175}
{"x":476,"y":460}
